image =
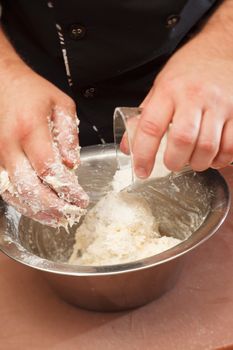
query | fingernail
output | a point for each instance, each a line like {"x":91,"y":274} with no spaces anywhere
{"x":141,"y":172}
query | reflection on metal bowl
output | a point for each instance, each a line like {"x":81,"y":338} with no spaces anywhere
{"x":190,"y":204}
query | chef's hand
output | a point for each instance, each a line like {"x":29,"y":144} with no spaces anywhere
{"x":193,"y":92}
{"x":38,"y":145}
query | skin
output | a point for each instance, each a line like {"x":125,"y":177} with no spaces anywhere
{"x":193,"y":93}
{"x":29,"y":150}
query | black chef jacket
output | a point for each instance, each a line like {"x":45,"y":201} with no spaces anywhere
{"x":103,"y":53}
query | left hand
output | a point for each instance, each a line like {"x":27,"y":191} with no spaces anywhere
{"x":193,"y":93}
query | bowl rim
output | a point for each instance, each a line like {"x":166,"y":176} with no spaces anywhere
{"x":213,"y":221}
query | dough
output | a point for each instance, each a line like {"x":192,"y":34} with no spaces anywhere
{"x":118,"y":229}
{"x":121,"y":228}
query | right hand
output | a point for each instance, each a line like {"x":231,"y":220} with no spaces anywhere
{"x":38,"y":145}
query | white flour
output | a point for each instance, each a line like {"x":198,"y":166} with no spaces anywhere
{"x":5,"y":184}
{"x":123,"y":177}
{"x":26,"y":192}
{"x":120,"y":228}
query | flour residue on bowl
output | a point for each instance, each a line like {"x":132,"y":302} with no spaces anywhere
{"x":120,"y":228}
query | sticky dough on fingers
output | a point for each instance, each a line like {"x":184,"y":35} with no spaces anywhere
{"x":43,"y":154}
{"x":64,"y":129}
{"x":9,"y":194}
{"x":64,"y":182}
{"x":35,"y":200}
{"x":5,"y":183}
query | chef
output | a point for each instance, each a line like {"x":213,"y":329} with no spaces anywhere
{"x":59,"y":58}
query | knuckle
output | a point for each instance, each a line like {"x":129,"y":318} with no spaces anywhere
{"x":20,"y":129}
{"x":140,"y":161}
{"x":141,"y":158}
{"x":207,"y":146}
{"x":197,"y":90}
{"x":151,"y":128}
{"x":24,"y":130}
{"x":182,"y":138}
{"x":194,"y":90}
{"x":215,"y":93}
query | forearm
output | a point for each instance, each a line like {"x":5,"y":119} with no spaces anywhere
{"x":216,"y":35}
{"x":9,"y":58}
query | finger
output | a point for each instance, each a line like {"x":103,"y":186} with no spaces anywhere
{"x":41,"y":200}
{"x":24,"y":209}
{"x":208,"y":142}
{"x":132,"y":125}
{"x":225,"y":154}
{"x":153,"y":123}
{"x":45,"y":159}
{"x":37,"y":144}
{"x":10,"y":195}
{"x":182,"y":136}
{"x":65,"y":183}
{"x":67,"y":214}
{"x":28,"y":186}
{"x":65,"y":132}
{"x":128,"y":136}
{"x":124,"y":145}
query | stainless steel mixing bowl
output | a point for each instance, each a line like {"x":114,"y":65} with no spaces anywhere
{"x":190,"y":204}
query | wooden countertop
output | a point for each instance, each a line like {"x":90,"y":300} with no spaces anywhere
{"x":197,"y":314}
